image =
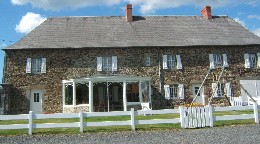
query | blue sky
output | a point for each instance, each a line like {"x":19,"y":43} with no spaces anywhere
{"x":19,"y":17}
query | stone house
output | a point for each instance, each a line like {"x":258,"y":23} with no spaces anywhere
{"x":115,"y":63}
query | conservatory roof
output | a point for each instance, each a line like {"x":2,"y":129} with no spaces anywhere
{"x":105,"y":78}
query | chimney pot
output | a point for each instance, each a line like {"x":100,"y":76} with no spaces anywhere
{"x":206,"y":12}
{"x":129,"y":16}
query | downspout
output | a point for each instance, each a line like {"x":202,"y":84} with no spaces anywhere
{"x":3,"y":78}
{"x":159,"y":70}
{"x":159,"y":74}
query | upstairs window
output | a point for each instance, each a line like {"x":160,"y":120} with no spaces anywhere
{"x":147,"y":60}
{"x":107,"y":63}
{"x":172,"y":62}
{"x":36,"y":65}
{"x":174,"y":91}
{"x":218,"y":60}
{"x":252,"y":60}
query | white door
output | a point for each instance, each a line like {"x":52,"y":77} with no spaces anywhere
{"x":199,"y":99}
{"x":36,"y":101}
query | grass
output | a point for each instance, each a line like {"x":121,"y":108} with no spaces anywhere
{"x":117,"y":128}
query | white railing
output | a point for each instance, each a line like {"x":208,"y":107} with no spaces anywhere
{"x":189,"y":117}
{"x":236,"y":101}
{"x":81,"y":124}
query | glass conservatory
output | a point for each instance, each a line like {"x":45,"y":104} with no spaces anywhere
{"x":105,"y":93}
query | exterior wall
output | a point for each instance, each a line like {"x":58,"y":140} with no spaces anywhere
{"x":75,"y":63}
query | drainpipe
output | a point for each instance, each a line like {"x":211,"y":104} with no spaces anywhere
{"x":3,"y":78}
{"x":159,"y":70}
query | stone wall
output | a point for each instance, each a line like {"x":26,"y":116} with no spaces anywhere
{"x":75,"y":63}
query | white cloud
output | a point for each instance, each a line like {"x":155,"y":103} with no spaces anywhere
{"x":254,"y":17}
{"x":150,"y":6}
{"x":29,"y":22}
{"x":240,"y":22}
{"x":62,"y":4}
{"x":257,"y":32}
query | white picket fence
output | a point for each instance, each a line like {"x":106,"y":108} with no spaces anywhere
{"x":81,"y":124}
{"x":193,"y":117}
{"x":189,"y":118}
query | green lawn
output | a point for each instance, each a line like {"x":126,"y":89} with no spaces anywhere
{"x":117,"y":128}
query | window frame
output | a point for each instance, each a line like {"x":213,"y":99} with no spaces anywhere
{"x":36,"y":63}
{"x":171,"y":62}
{"x":148,"y":61}
{"x":220,"y":89}
{"x":218,"y":60}
{"x":107,"y":64}
{"x":253,"y":62}
{"x":174,"y":89}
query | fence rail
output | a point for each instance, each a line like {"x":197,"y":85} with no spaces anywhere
{"x":189,"y":117}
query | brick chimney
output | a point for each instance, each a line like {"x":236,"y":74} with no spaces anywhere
{"x":206,"y":12}
{"x":128,"y":10}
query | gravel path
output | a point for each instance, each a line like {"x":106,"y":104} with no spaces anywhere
{"x":231,"y":135}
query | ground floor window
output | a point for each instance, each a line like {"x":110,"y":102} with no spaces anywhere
{"x":132,"y":92}
{"x":145,"y":91}
{"x":69,"y":95}
{"x":82,"y":94}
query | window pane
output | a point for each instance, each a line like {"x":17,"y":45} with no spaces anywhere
{"x":68,"y":95}
{"x":82,"y":94}
{"x":36,"y":97}
{"x":217,"y":59}
{"x":174,"y":91}
{"x":196,"y":89}
{"x":148,"y":61}
{"x":171,"y":61}
{"x":132,"y":92}
{"x":107,"y":63}
{"x":252,"y":59}
{"x":220,"y":90}
{"x":36,"y":65}
{"x":145,"y":91}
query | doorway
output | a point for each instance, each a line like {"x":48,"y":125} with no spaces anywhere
{"x":108,"y":97}
{"x":36,"y":101}
{"x":195,"y":89}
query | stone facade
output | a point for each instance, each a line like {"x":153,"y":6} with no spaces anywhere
{"x":68,"y":63}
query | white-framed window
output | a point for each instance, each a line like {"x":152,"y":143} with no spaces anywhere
{"x":147,"y":60}
{"x":252,"y":60}
{"x":107,"y":63}
{"x":218,"y":89}
{"x":174,"y":91}
{"x":196,"y":91}
{"x":172,"y":62}
{"x":218,"y":60}
{"x":36,"y":65}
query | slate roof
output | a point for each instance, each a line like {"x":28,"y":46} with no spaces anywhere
{"x":114,"y":31}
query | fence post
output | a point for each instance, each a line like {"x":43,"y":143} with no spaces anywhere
{"x":30,"y":122}
{"x":81,"y":121}
{"x":211,"y":118}
{"x":182,"y":116}
{"x":132,"y":119}
{"x":256,"y":112}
